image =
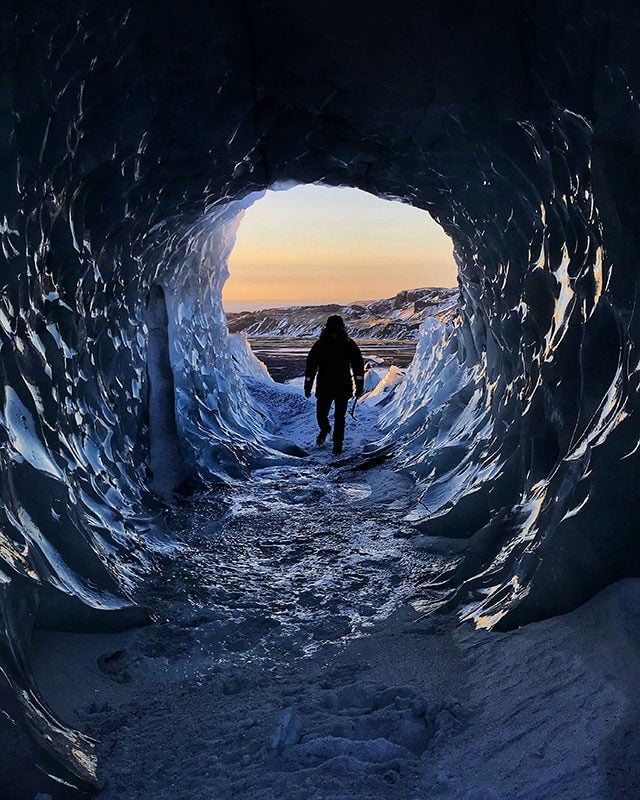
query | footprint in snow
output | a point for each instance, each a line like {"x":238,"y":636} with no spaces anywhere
{"x":376,"y":726}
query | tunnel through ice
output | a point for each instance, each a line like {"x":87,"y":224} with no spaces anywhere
{"x":129,"y":132}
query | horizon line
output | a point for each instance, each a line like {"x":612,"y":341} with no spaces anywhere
{"x":254,"y":305}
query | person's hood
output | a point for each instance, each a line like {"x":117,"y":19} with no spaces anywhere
{"x":334,"y":328}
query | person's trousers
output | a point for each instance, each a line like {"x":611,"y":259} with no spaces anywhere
{"x":323,"y":405}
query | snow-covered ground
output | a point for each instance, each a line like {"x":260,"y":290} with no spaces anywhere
{"x":289,"y":660}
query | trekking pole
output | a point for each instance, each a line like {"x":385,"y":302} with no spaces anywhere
{"x":353,"y":407}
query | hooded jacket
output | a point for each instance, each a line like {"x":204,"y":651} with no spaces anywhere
{"x":333,"y":358}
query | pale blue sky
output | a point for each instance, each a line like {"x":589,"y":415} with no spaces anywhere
{"x":318,"y":244}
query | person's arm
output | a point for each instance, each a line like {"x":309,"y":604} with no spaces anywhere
{"x":310,"y":369}
{"x":357,"y":366}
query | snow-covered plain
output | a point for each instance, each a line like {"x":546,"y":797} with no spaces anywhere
{"x":289,"y":657}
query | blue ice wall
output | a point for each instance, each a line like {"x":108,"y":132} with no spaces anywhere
{"x":509,"y":415}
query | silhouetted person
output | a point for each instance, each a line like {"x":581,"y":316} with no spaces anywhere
{"x":333,"y":357}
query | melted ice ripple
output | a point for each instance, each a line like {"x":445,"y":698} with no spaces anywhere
{"x":298,"y":556}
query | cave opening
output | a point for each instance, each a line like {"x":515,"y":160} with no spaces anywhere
{"x":304,"y":252}
{"x":193,"y":266}
{"x":309,"y":245}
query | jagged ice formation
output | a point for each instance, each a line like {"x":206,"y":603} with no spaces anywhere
{"x":133,"y":135}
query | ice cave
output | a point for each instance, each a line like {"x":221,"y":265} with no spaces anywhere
{"x":133,"y":136}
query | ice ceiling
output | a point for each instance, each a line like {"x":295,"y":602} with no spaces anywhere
{"x":131,"y":138}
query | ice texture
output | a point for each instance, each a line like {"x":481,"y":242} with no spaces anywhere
{"x":134,"y":135}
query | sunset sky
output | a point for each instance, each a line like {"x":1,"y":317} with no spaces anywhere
{"x":316,"y":244}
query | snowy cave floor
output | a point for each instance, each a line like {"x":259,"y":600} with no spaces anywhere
{"x":287,"y":662}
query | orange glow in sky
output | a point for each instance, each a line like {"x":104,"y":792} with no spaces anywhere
{"x":317,"y":244}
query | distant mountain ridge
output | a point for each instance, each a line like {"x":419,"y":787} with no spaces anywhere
{"x":396,"y":317}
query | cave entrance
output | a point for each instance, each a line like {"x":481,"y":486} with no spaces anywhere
{"x":306,"y":251}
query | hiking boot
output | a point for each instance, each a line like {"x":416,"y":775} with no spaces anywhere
{"x":337,"y":449}
{"x":322,"y":436}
